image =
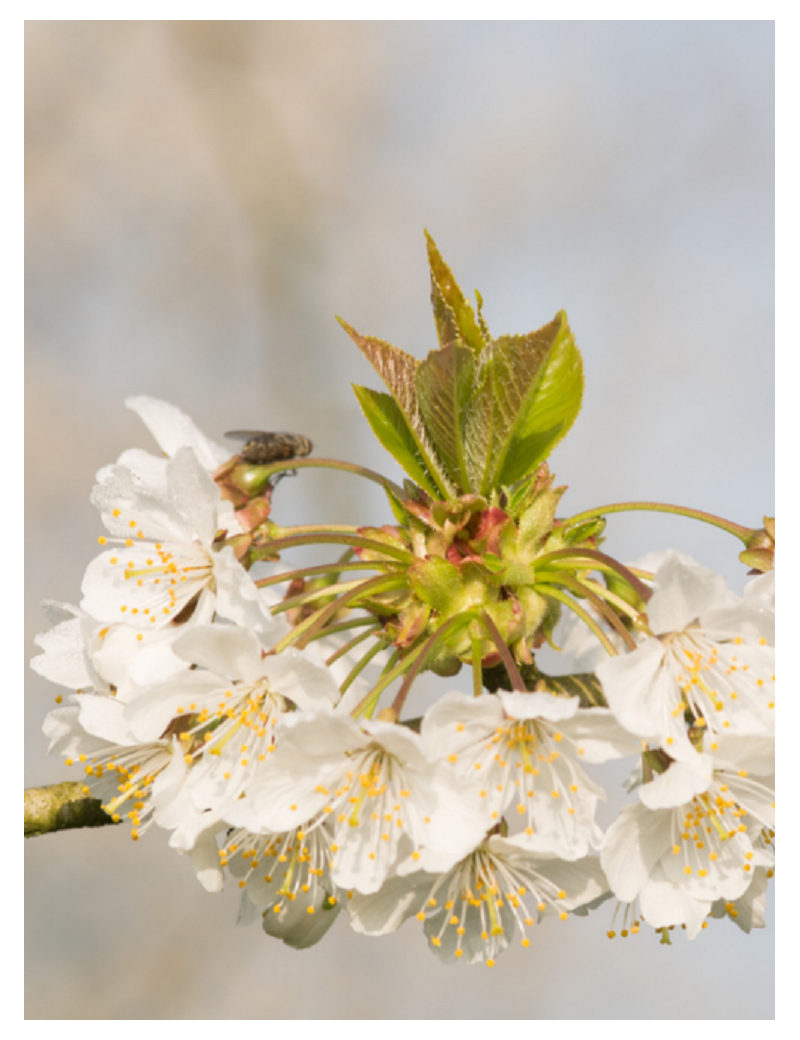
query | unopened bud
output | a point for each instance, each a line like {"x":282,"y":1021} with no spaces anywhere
{"x":760,"y":552}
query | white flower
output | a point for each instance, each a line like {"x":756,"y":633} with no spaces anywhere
{"x":172,"y":430}
{"x":286,"y":881}
{"x":89,"y":657}
{"x":166,"y":560}
{"x":473,"y":910}
{"x":523,"y":749}
{"x":130,"y":778}
{"x":710,"y":654}
{"x":388,"y":806}
{"x":747,"y":912}
{"x":693,"y":837}
{"x":228,"y":704}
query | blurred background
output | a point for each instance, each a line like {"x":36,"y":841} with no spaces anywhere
{"x":202,"y":199}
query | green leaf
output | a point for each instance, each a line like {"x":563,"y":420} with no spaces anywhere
{"x":527,"y":394}
{"x":390,"y":427}
{"x":481,"y":320}
{"x":550,"y":407}
{"x":397,"y":369}
{"x":452,"y":312}
{"x":444,"y":387}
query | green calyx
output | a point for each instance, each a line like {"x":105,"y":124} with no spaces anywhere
{"x":479,"y":413}
{"x":487,"y":562}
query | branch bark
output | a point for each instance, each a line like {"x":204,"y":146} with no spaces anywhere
{"x":60,"y":807}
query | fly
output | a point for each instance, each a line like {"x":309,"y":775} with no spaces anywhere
{"x":261,"y":448}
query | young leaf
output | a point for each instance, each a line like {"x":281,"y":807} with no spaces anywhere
{"x":452,"y":312}
{"x":397,"y":370}
{"x":390,"y":427}
{"x":550,"y":408}
{"x":444,"y":387}
{"x":528,"y":392}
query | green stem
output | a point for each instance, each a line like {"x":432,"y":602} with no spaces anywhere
{"x":346,"y":467}
{"x":743,"y":533}
{"x":600,"y":606}
{"x":360,"y":666}
{"x":312,"y":594}
{"x":342,"y":626}
{"x":310,"y":572}
{"x":584,"y":615}
{"x":422,"y":655}
{"x":517,"y":681}
{"x":477,"y":668}
{"x":279,"y":544}
{"x":611,"y":597}
{"x":565,"y":555}
{"x":351,"y":645}
{"x":288,"y":532}
{"x":312,"y":624}
{"x":368,"y":704}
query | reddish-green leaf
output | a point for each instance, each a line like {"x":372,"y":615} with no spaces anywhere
{"x":390,"y":427}
{"x":444,"y":386}
{"x":452,"y":312}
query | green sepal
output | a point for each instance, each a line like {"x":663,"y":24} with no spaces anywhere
{"x":493,"y":563}
{"x":392,"y":537}
{"x":401,"y":514}
{"x":413,"y":623}
{"x":589,"y":529}
{"x":438,"y":582}
{"x":761,"y":560}
{"x":390,"y":427}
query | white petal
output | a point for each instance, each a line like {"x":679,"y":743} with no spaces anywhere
{"x":663,"y":904}
{"x":310,"y":685}
{"x":64,"y":658}
{"x":684,"y":591}
{"x":633,"y":845}
{"x":627,"y":680}
{"x":298,"y":928}
{"x":678,"y":784}
{"x":538,"y":706}
{"x":149,"y":714}
{"x":205,"y":860}
{"x":385,"y":910}
{"x":67,"y":736}
{"x":104,"y":717}
{"x":172,"y":429}
{"x":241,"y":601}
{"x":598,"y":735}
{"x":226,"y":650}
{"x":455,"y":721}
{"x":735,"y":751}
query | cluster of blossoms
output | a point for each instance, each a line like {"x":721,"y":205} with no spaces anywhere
{"x":248,"y":724}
